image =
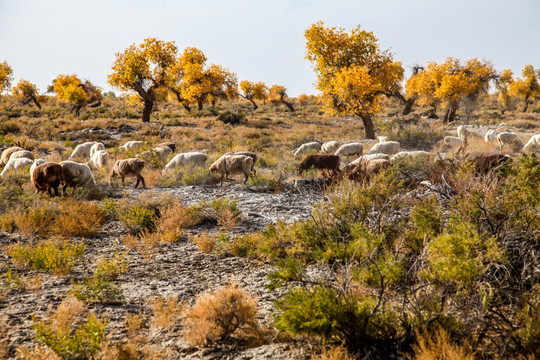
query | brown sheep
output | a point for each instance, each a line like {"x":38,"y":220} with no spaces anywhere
{"x":230,"y":164}
{"x":47,"y":176}
{"x":170,"y":145}
{"x":363,"y":171}
{"x":488,"y":162}
{"x":320,"y":162}
{"x":128,"y":167}
{"x":246,"y":153}
{"x":6,"y":154}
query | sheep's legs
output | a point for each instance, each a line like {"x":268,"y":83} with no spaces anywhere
{"x":140,"y":179}
{"x":123,"y":183}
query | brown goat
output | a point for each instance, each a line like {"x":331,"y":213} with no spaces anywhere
{"x":320,"y":162}
{"x":128,"y":167}
{"x":486,"y":163}
{"x":363,"y":171}
{"x":47,"y":176}
{"x":230,"y":164}
{"x":246,"y":153}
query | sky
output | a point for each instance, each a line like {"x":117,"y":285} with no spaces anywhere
{"x":259,"y":40}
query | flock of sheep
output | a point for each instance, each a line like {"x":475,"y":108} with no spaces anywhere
{"x":48,"y":176}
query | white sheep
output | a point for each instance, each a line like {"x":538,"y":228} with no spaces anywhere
{"x":367,"y":157}
{"x":386,"y":147}
{"x":35,"y":164}
{"x":412,"y":154}
{"x":163,"y":152}
{"x":230,"y":164}
{"x":491,"y":136}
{"x":350,"y":149}
{"x":330,"y":147}
{"x":533,"y":144}
{"x":308,"y":146}
{"x":98,"y":160}
{"x":22,"y":154}
{"x":82,"y":150}
{"x":509,"y":138}
{"x":463,"y":133}
{"x":96,"y":147}
{"x":14,"y":164}
{"x":453,"y":141}
{"x":382,"y":138}
{"x":74,"y":173}
{"x":131,"y":145}
{"x":183,"y":159}
{"x":6,"y":154}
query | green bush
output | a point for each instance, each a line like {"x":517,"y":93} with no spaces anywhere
{"x":137,"y":219}
{"x":96,"y":289}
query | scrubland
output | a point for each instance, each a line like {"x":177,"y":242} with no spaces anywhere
{"x":427,"y":260}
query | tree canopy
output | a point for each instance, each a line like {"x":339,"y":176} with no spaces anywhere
{"x":27,"y":92}
{"x":70,"y":89}
{"x":6,"y":76}
{"x":526,"y":88}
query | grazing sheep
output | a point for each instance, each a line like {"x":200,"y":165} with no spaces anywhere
{"x":386,"y":147}
{"x":82,"y":151}
{"x":230,"y":164}
{"x":163,"y":152}
{"x":367,"y":157}
{"x":463,"y":133}
{"x":533,"y":144}
{"x":76,"y":174}
{"x":96,"y":147}
{"x":382,"y":138}
{"x":98,"y":160}
{"x":320,"y":162}
{"x":308,"y":146}
{"x":22,"y":154}
{"x":47,"y":176}
{"x":402,"y":154}
{"x":363,"y":171}
{"x":128,"y":167}
{"x":491,"y":136}
{"x":170,"y":145}
{"x":488,"y":162}
{"x":7,"y":153}
{"x":36,"y":163}
{"x":509,"y":138}
{"x":330,"y":147}
{"x":194,"y":158}
{"x":350,"y":149}
{"x":246,"y":153}
{"x":131,"y":145}
{"x":453,"y":141}
{"x":14,"y":164}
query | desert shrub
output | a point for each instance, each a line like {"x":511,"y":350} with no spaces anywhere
{"x":174,"y":219}
{"x":96,"y":289}
{"x":12,"y":279}
{"x":9,"y":127}
{"x":334,"y":353}
{"x":204,"y":241}
{"x":528,"y":332}
{"x":439,"y":346}
{"x":228,"y":117}
{"x":109,"y":208}
{"x":167,"y":312}
{"x":114,"y":266}
{"x":228,"y":312}
{"x":137,"y":219}
{"x":49,"y":256}
{"x":57,"y":334}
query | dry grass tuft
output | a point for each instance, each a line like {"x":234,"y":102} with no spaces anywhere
{"x":439,"y":346}
{"x":204,"y":241}
{"x":216,"y":316}
{"x":228,"y":219}
{"x":67,"y":313}
{"x":38,"y":353}
{"x":130,"y":241}
{"x":166,"y":312}
{"x":148,"y":244}
{"x":335,"y":353}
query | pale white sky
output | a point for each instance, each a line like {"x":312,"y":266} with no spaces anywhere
{"x":259,"y":40}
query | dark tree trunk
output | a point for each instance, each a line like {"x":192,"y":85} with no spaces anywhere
{"x":255,"y":107}
{"x":288,"y":104}
{"x":200,"y":104}
{"x":36,"y":102}
{"x":450,"y":113}
{"x":186,"y":106}
{"x":368,"y":126}
{"x":408,"y":106}
{"x":147,"y":110}
{"x":526,"y":103}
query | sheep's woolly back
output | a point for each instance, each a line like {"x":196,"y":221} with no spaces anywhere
{"x":320,"y":162}
{"x":509,"y":138}
{"x":169,"y":144}
{"x":183,"y":159}
{"x":350,"y":149}
{"x":47,"y":175}
{"x":387,"y":147}
{"x":96,"y":147}
{"x":453,"y":141}
{"x":127,"y":167}
{"x":232,"y":164}
{"x":22,"y":154}
{"x":533,"y":143}
{"x":6,"y":154}
{"x":366,"y":169}
{"x":418,"y":153}
{"x":491,"y":136}
{"x":308,"y":146}
{"x":14,"y":164}
{"x":99,"y":159}
{"x":330,"y":147}
{"x":74,"y":173}
{"x":82,"y":150}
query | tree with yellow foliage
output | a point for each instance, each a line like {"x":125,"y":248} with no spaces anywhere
{"x":277,"y":95}
{"x":303,"y":99}
{"x":352,"y":71}
{"x":78,"y":94}
{"x":528,"y":87}
{"x":252,"y":91}
{"x":145,"y":70}
{"x":27,"y":92}
{"x":450,"y":83}
{"x":193,"y":82}
{"x":502,"y":83}
{"x":6,"y":76}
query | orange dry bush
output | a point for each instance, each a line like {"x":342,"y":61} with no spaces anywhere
{"x":174,"y":219}
{"x":148,"y":244}
{"x":334,"y":353}
{"x":166,"y":312}
{"x":439,"y":346}
{"x":204,"y":241}
{"x":216,"y":316}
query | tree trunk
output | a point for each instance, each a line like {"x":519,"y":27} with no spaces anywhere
{"x":288,"y":104}
{"x":408,"y":105}
{"x":147,"y":110}
{"x":255,"y":107}
{"x":200,"y":104}
{"x":36,"y":102}
{"x":450,"y":113}
{"x":186,"y":106}
{"x":526,"y":103}
{"x":368,"y":126}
